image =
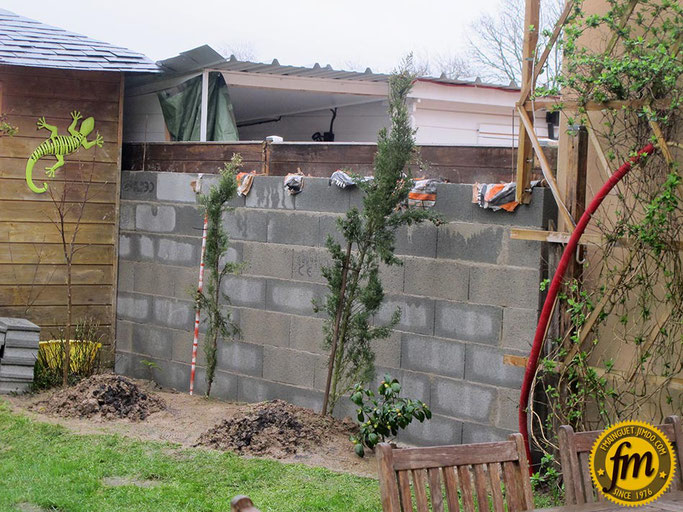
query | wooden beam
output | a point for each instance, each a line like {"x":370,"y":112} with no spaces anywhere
{"x":562,"y":237}
{"x":575,"y":179}
{"x":528,"y":86}
{"x":524,"y":145}
{"x":545,"y":167}
{"x":551,"y":103}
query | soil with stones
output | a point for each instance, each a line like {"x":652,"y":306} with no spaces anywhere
{"x":106,"y":396}
{"x":277,"y":429}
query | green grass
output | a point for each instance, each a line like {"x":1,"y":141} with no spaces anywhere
{"x":48,"y":466}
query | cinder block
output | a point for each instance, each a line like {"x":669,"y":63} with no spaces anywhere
{"x":246,"y":224}
{"x":433,"y":355}
{"x":155,"y":218}
{"x":454,"y":202}
{"x":307,"y":264}
{"x":134,"y":307}
{"x":468,"y":322}
{"x":392,"y":277}
{"x":184,"y":282}
{"x":173,"y":313}
{"x":519,"y":327}
{"x":417,"y":240}
{"x":182,"y":347}
{"x":462,"y":399}
{"x":291,"y":297}
{"x":320,"y":196}
{"x":521,"y":253}
{"x":211,"y":180}
{"x":152,"y":341}
{"x":224,"y":384}
{"x":182,"y":251}
{"x":154,"y":279}
{"x":388,"y":351}
{"x":264,"y":327}
{"x":171,"y":375}
{"x":138,"y":185}
{"x":126,"y":276}
{"x":176,"y":187}
{"x":416,"y":386}
{"x":306,"y":333}
{"x":329,"y":227}
{"x":122,"y":363}
{"x":438,"y":431}
{"x":124,"y":336}
{"x":514,"y":287}
{"x":417,"y":313}
{"x":292,"y":228}
{"x":308,"y":398}
{"x":242,"y":358}
{"x":478,"y":433}
{"x":507,"y":409}
{"x":289,"y":366}
{"x":244,"y":291}
{"x":269,"y":192}
{"x":258,"y":390}
{"x":124,"y":246}
{"x":127,"y":216}
{"x":271,"y":260}
{"x":436,"y":278}
{"x":470,"y":242}
{"x":485,"y":364}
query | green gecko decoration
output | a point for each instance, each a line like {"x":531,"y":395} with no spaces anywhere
{"x":60,"y":146}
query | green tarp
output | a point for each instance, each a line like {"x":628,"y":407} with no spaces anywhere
{"x":181,"y":106}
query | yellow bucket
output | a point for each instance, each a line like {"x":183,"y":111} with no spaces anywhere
{"x":82,"y":354}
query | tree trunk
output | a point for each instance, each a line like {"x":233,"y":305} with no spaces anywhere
{"x":67,"y":342}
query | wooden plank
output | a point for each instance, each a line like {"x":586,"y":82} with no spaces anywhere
{"x":61,"y":87}
{"x":545,"y":166}
{"x":575,"y":178}
{"x":46,"y":232}
{"x":49,"y":254}
{"x":54,"y":274}
{"x":101,"y":110}
{"x":439,"y":456}
{"x":72,"y":170}
{"x":466,"y":489}
{"x":404,"y":491}
{"x":42,"y":211}
{"x":27,"y":127}
{"x":88,"y":76}
{"x":676,"y":438}
{"x":524,"y":147}
{"x":420,"y":488}
{"x":96,"y":192}
{"x":570,"y":465}
{"x":586,"y":477}
{"x":51,"y":316}
{"x":496,"y":487}
{"x":524,"y":471}
{"x":435,"y":489}
{"x":512,"y":490}
{"x":387,"y":478}
{"x":451,"y":485}
{"x":597,"y":148}
{"x":480,"y":485}
{"x":22,"y":147}
{"x":55,"y":295}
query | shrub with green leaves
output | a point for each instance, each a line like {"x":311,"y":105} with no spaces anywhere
{"x":381,"y":416}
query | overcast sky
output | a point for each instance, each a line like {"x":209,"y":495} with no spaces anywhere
{"x":343,"y":33}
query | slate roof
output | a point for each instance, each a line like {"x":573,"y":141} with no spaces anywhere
{"x":27,"y":42}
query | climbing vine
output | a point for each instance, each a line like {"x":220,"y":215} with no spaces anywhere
{"x":619,"y":352}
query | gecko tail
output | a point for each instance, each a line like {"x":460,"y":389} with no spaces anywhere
{"x":29,"y":177}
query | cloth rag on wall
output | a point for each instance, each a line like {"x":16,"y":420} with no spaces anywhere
{"x":181,"y":106}
{"x":344,"y":180}
{"x":294,"y":183}
{"x":244,"y":182}
{"x":423,"y":193}
{"x":497,"y":196}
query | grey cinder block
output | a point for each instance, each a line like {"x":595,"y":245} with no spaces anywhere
{"x":138,"y":185}
{"x":286,"y":227}
{"x":462,"y":399}
{"x":238,"y":357}
{"x":433,"y":355}
{"x":468,"y":322}
{"x":290,"y":366}
{"x":417,"y":313}
{"x":417,"y":240}
{"x":246,"y":224}
{"x":244,"y":291}
{"x":264,"y":327}
{"x":269,"y":192}
{"x":483,"y":433}
{"x":505,"y":286}
{"x":269,"y":260}
{"x":470,"y":242}
{"x":436,"y":278}
{"x":318,"y":195}
{"x":438,"y":431}
{"x":485,"y":364}
{"x":292,"y":297}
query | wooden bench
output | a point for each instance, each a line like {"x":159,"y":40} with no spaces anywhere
{"x":575,"y":450}
{"x":476,"y":471}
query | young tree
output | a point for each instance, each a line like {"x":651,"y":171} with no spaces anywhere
{"x":355,"y":290}
{"x":214,"y":205}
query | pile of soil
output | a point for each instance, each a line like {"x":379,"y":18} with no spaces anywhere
{"x":276,"y":428}
{"x":108,"y":396}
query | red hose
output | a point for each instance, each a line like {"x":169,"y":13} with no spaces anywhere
{"x":555,"y":288}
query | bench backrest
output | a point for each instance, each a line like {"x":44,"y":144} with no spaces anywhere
{"x":575,"y":450}
{"x":481,"y":477}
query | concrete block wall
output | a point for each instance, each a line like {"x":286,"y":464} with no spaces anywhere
{"x":468,"y":295}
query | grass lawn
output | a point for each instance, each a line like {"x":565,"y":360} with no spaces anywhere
{"x":48,"y":466}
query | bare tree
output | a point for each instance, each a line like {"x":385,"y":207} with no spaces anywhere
{"x":243,"y":51}
{"x":496,"y":41}
{"x":454,"y":67}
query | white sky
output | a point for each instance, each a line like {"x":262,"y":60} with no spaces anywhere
{"x":343,"y":33}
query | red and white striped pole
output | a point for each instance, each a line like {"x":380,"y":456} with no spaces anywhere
{"x":200,"y":287}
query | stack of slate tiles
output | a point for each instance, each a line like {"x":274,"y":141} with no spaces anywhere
{"x":19,"y":340}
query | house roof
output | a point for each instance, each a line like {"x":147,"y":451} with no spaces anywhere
{"x":205,"y":57}
{"x":27,"y":42}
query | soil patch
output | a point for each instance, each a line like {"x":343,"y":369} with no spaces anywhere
{"x":106,"y":396}
{"x":122,"y":481}
{"x":276,"y":429}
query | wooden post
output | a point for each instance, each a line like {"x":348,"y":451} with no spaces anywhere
{"x":525,"y":153}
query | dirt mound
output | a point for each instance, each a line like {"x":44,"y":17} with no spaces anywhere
{"x":108,"y":396}
{"x":275,"y":428}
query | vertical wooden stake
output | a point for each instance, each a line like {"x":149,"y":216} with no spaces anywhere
{"x":525,"y":153}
